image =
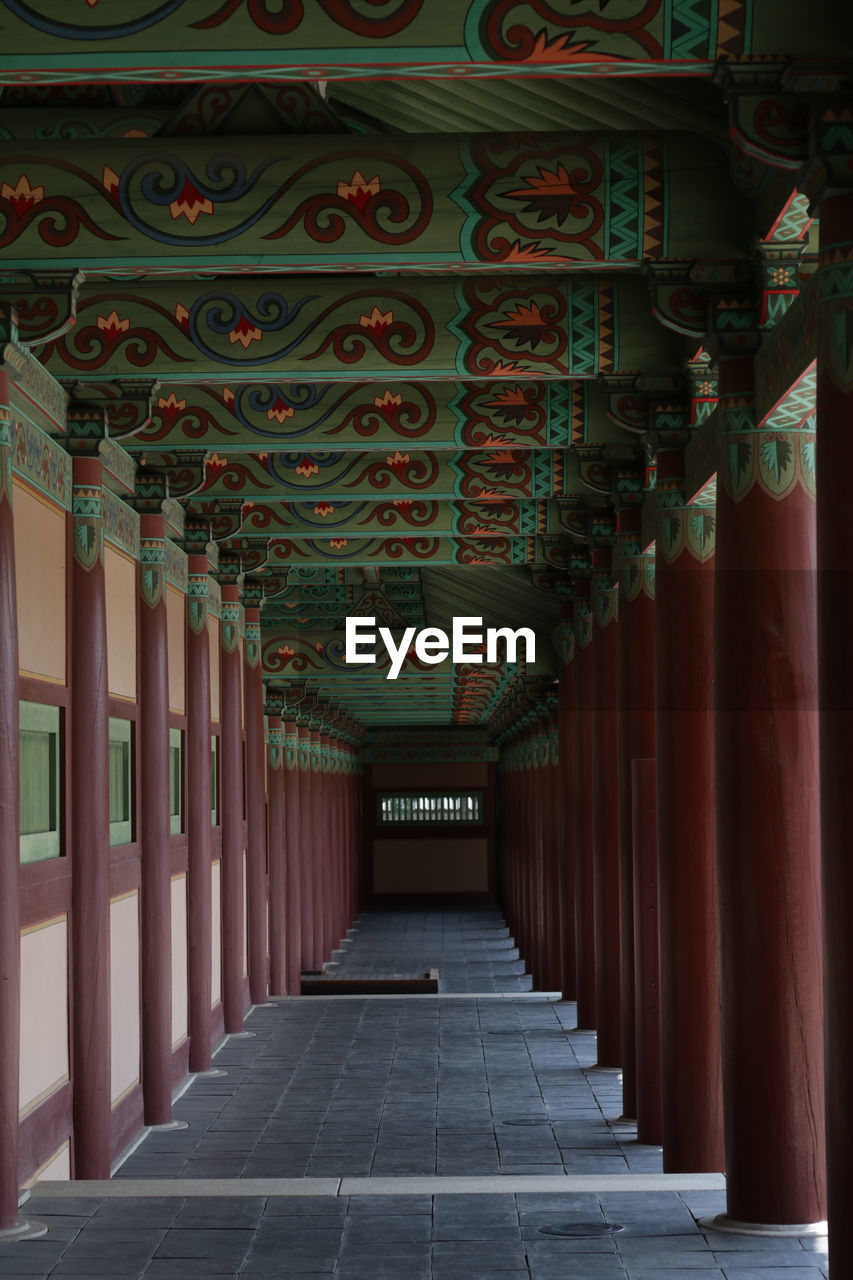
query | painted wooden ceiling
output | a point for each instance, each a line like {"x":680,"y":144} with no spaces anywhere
{"x":389,"y":320}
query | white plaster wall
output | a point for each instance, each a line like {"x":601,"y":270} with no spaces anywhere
{"x":245,"y":914}
{"x":57,"y":1168}
{"x":179,"y":959}
{"x":124,"y":993}
{"x":216,"y":933}
{"x":44,"y":1011}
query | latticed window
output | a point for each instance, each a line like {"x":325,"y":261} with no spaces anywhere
{"x":214,"y":781}
{"x":176,"y":781}
{"x":423,"y":807}
{"x":39,"y":781}
{"x":121,"y":783}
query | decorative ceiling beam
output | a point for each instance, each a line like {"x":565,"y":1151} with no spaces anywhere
{"x":337,"y":39}
{"x":483,"y":475}
{"x":323,"y":519}
{"x":75,"y":121}
{"x":417,"y":549}
{"x":207,"y":205}
{"x":339,"y":329}
{"x":250,"y":416}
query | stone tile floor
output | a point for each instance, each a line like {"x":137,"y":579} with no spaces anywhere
{"x":396,"y":1087}
{"x":472,"y":950}
{"x":442,"y":1237}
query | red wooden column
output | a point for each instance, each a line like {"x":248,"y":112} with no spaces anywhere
{"x":355,"y":770}
{"x":566,"y":716}
{"x":509,"y":816}
{"x":325,"y":848}
{"x":89,"y":749}
{"x":293,"y":859}
{"x":199,"y":850}
{"x":536,"y":924}
{"x":335,"y":863}
{"x":316,"y":849}
{"x":231,"y":810}
{"x":605,"y":811}
{"x":768,"y":827}
{"x":256,"y":819}
{"x":278,"y":887}
{"x":835,"y":626}
{"x":636,"y":696}
{"x":553,"y":826}
{"x":582,"y":808}
{"x":306,"y":840}
{"x":646,"y":950}
{"x":350,"y":764}
{"x":154,"y":826}
{"x":339,"y":757}
{"x":527,"y":851}
{"x":10,"y":846}
{"x":518,"y":843}
{"x":691,"y":1074}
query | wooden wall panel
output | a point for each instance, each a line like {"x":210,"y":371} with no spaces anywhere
{"x":124,"y":993}
{"x":40,"y":565}
{"x":213,"y":631}
{"x":444,"y":865}
{"x":179,"y":959}
{"x":120,"y":577}
{"x":44,"y":1011}
{"x":216,"y":933}
{"x":176,"y":624}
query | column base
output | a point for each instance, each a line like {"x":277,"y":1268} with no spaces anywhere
{"x":242,"y":1035}
{"x":26,"y":1229}
{"x":170,"y":1126}
{"x":722,"y":1222}
{"x":212,"y":1073}
{"x":612,"y":1071}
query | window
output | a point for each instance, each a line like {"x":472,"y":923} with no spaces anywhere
{"x":121,"y":783}
{"x":214,"y":781}
{"x":430,"y":807}
{"x":176,"y":781}
{"x":39,"y":781}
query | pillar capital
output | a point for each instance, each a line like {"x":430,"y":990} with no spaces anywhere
{"x":273,"y":702}
{"x":767,"y":121}
{"x":735,"y":324}
{"x":229,"y":571}
{"x":684,"y":293}
{"x":48,"y":308}
{"x":829,"y":172}
{"x":86,"y":427}
{"x":779,"y":267}
{"x":128,"y":401}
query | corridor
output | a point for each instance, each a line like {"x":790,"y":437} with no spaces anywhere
{"x":404,"y":1137}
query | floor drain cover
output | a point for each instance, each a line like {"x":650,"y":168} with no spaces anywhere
{"x":581,"y":1229}
{"x":527,"y":1120}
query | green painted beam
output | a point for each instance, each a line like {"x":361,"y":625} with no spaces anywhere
{"x":157,"y":40}
{"x":418,"y":549}
{"x":72,"y":122}
{"x":399,"y":517}
{"x":605,"y":200}
{"x":272,"y":415}
{"x":342,"y":328}
{"x":326,"y":478}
